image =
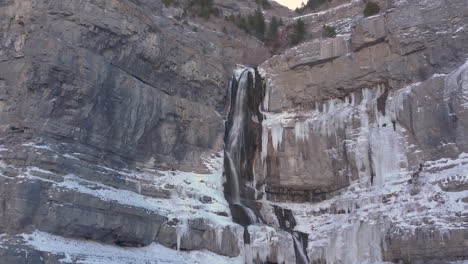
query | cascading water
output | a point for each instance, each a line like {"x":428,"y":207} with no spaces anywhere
{"x":301,"y":257}
{"x":239,"y":145}
{"x":235,"y":142}
{"x":236,"y":134}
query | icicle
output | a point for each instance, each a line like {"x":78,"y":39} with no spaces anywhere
{"x":265,"y":134}
{"x":219,"y":237}
{"x":260,"y":242}
{"x":301,"y":131}
{"x":279,"y":254}
{"x":353,"y":99}
{"x":266,"y":99}
{"x":358,"y":243}
{"x":248,"y":256}
{"x":276,"y":135}
{"x":182,"y":230}
{"x":139,"y":187}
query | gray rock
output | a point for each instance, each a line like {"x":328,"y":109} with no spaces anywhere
{"x":425,"y":244}
{"x":387,"y":57}
{"x":197,"y":234}
{"x":369,"y":32}
{"x":73,"y":214}
{"x":101,"y":90}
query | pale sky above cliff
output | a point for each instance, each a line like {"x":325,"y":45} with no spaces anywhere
{"x":292,"y":4}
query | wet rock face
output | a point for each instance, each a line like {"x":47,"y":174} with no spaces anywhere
{"x":285,"y":218}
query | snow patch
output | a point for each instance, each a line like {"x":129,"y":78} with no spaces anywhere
{"x":187,"y":190}
{"x":349,"y":228}
{"x":88,"y":252}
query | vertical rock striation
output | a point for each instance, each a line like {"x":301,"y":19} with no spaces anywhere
{"x":360,"y":131}
{"x":114,"y":116}
{"x":111,"y":129}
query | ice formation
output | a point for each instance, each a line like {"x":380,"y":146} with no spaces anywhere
{"x":269,"y":244}
{"x":350,"y":228}
{"x":182,"y":230}
{"x":301,"y":131}
{"x":276,"y":135}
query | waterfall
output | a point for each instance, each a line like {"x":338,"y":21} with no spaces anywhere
{"x":238,"y":139}
{"x":301,"y":256}
{"x":235,"y":140}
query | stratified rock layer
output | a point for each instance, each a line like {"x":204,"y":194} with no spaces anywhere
{"x":376,"y":96}
{"x":105,"y":108}
{"x":111,"y":129}
{"x":367,"y":130}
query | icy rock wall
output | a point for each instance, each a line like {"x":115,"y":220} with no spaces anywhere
{"x":354,"y":114}
{"x":352,"y":127}
{"x":359,"y":133}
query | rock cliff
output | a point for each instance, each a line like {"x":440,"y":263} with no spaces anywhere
{"x":114,"y":116}
{"x":109,"y":109}
{"x":364,"y":131}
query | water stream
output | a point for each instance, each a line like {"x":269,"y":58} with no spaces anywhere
{"x":235,"y":153}
{"x":235,"y":143}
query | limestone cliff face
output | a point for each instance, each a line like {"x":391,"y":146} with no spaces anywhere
{"x":107,"y":111}
{"x":158,"y":81}
{"x":112,"y":129}
{"x":380,"y":69}
{"x":360,"y":129}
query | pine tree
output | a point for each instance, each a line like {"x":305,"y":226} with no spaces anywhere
{"x":298,"y":33}
{"x":259,"y":25}
{"x":273,"y":29}
{"x":241,"y":22}
{"x":280,"y":22}
{"x":328,"y":31}
{"x":371,"y":9}
{"x":204,"y":8}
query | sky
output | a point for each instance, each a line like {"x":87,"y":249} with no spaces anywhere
{"x":291,"y":3}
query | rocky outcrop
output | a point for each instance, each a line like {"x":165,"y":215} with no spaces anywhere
{"x":69,"y":213}
{"x":331,"y":95}
{"x":105,"y":108}
{"x":114,"y":114}
{"x":200,"y":233}
{"x":426,"y":244}
{"x":61,"y":53}
{"x":357,"y":128}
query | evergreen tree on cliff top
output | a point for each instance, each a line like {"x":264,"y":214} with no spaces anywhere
{"x":298,"y":33}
